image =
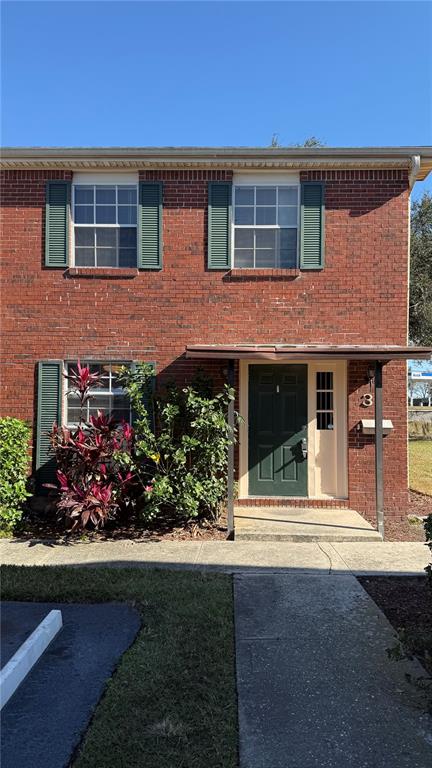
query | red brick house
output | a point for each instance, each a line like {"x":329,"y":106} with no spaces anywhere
{"x":285,"y":268}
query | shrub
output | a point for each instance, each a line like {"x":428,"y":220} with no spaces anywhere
{"x":14,"y":462}
{"x":93,"y":460}
{"x":94,"y":486}
{"x":182,"y":464}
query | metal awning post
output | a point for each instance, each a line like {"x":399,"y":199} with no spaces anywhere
{"x":379,"y":484}
{"x":230,"y":479}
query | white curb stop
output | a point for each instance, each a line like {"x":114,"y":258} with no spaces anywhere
{"x":16,"y":669}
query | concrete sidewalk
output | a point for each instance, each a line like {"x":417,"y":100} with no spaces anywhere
{"x":315,"y":685}
{"x":227,"y":556}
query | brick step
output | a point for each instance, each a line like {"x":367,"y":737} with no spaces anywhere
{"x":289,"y":503}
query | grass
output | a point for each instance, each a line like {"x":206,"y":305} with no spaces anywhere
{"x":172,"y":701}
{"x":420,"y":458}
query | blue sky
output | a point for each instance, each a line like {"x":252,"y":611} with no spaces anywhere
{"x":221,"y":73}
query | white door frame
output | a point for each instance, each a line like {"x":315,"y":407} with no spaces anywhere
{"x":332,"y":473}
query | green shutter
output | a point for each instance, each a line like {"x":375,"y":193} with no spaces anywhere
{"x":219,"y":224}
{"x":150,"y":226}
{"x":312,"y":226}
{"x":57,"y":223}
{"x":49,"y":396}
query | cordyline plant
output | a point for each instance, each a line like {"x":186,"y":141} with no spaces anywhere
{"x":94,"y":462}
{"x":181,"y":445}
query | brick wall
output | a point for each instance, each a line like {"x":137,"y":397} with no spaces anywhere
{"x":361,"y":448}
{"x":360,"y":297}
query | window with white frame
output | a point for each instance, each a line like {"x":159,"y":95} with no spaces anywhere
{"x":107,"y":396}
{"x":105,"y":225}
{"x":266,"y":226}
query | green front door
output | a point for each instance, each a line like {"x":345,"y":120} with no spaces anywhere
{"x":277,"y":430}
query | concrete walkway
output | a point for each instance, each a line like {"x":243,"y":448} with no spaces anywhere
{"x":315,"y":686}
{"x":227,"y":556}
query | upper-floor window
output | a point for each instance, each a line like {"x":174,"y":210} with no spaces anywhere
{"x":105,"y":225}
{"x":266,"y":226}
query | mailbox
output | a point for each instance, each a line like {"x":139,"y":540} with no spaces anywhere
{"x":367,"y":426}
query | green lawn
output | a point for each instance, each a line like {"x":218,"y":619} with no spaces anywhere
{"x":420,"y":458}
{"x":172,"y":700}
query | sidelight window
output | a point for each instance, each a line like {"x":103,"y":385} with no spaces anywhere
{"x":324,"y":400}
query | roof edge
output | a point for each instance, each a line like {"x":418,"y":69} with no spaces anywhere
{"x":295,"y":158}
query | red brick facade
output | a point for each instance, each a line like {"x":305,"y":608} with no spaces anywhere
{"x":359,"y":297}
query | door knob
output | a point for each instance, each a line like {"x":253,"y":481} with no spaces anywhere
{"x":304,"y":447}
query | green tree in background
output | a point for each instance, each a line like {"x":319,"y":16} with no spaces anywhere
{"x":421,"y":271}
{"x":310,"y":142}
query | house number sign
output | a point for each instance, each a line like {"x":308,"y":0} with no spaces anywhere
{"x":367,"y":400}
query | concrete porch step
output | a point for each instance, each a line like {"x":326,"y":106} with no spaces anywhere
{"x":301,"y":524}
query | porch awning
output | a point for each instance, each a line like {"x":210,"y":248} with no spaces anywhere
{"x":383,"y":353}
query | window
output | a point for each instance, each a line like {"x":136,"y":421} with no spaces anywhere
{"x":324,"y":403}
{"x":108,"y":396}
{"x":265,"y":226}
{"x":105,"y":225}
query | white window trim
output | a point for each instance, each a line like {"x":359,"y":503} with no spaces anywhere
{"x":265,"y":179}
{"x":105,"y":177}
{"x":268,"y":181}
{"x":101,"y":180}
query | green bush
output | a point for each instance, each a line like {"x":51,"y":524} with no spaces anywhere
{"x":14,"y":461}
{"x":182,"y":464}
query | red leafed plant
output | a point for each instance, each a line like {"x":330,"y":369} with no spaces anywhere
{"x":95,"y":484}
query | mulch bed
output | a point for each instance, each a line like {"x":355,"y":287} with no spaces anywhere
{"x":420,"y":503}
{"x":409,"y":528}
{"x":407,"y":603}
{"x":46,"y":527}
{"x":191,"y":533}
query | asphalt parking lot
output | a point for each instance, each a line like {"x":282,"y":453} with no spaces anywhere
{"x":47,"y":716}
